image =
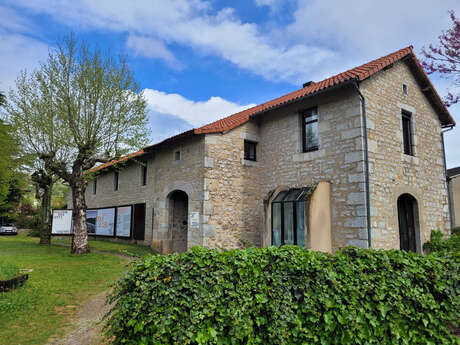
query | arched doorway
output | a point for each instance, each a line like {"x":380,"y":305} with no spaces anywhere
{"x":178,"y":217}
{"x":408,"y":222}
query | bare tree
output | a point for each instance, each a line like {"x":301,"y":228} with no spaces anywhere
{"x":92,"y":112}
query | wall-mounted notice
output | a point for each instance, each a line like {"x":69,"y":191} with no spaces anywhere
{"x":62,"y":222}
{"x":194,"y":219}
{"x":101,"y":222}
{"x":124,"y":221}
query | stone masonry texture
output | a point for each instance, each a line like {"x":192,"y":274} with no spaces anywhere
{"x":227,"y":195}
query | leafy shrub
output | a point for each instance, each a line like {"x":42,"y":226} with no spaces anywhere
{"x":287,"y":295}
{"x":34,"y":226}
{"x":456,"y":231}
{"x":441,"y":245}
{"x":8,"y":271}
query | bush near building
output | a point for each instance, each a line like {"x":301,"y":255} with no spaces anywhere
{"x":288,"y":295}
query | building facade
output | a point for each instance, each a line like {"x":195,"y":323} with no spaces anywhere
{"x":355,"y":159}
{"x":453,"y":178}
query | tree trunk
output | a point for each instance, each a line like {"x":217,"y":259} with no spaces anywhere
{"x":80,"y":229}
{"x":45,"y":212}
{"x":43,"y":190}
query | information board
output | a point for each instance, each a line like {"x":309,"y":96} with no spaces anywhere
{"x":101,"y":222}
{"x":124,"y":221}
{"x":62,"y":222}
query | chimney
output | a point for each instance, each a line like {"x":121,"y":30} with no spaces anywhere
{"x":308,"y":83}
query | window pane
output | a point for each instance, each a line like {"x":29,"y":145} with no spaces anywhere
{"x":293,"y":194}
{"x":300,"y":231}
{"x":249,"y":150}
{"x":288,"y":222}
{"x":311,"y":135}
{"x":311,"y":115}
{"x":407,"y":136}
{"x":276,"y":224}
{"x":280,"y":196}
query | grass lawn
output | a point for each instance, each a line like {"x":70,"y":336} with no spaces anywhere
{"x":110,"y":247}
{"x":57,"y":286}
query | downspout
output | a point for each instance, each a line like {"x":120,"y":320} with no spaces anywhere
{"x":449,"y":196}
{"x":366,"y":163}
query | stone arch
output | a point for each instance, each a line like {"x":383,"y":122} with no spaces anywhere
{"x":267,"y":235}
{"x":413,"y":194}
{"x":178,"y":208}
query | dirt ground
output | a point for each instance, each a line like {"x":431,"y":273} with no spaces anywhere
{"x":87,"y":324}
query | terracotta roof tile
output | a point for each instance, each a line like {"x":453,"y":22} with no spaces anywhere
{"x":358,"y":73}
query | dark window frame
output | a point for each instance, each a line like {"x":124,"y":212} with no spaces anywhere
{"x":95,"y":186}
{"x":177,"y":155}
{"x":247,"y":151}
{"x":144,"y":172}
{"x":407,"y":131}
{"x":116,"y":178}
{"x":305,"y":114}
{"x":300,"y":199}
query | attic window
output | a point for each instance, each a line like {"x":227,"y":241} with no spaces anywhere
{"x":177,"y":156}
{"x":404,"y":89}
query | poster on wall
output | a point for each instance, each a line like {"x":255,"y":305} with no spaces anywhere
{"x":124,"y":221}
{"x":62,"y":222}
{"x":101,"y":222}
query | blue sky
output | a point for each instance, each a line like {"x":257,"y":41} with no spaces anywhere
{"x":200,"y":60}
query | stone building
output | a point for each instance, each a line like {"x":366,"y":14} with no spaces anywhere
{"x":355,"y":159}
{"x":453,"y":184}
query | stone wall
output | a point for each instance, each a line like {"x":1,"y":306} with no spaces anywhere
{"x":339,"y":159}
{"x":393,"y":173}
{"x":235,"y":189}
{"x":233,"y":203}
{"x":164,"y":175}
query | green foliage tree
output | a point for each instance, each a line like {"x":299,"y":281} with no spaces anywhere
{"x":9,"y":180}
{"x":89,"y":109}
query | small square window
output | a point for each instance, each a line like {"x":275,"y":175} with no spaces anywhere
{"x":405,"y":89}
{"x":250,"y":150}
{"x":177,"y":156}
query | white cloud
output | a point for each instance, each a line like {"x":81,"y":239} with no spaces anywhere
{"x":152,"y":48}
{"x":18,"y":52}
{"x":194,"y":24}
{"x":10,"y":20}
{"x":196,"y":113}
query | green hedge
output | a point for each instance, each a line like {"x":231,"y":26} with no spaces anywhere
{"x":443,"y":245}
{"x":288,"y":295}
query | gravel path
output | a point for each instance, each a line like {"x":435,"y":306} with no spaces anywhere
{"x":88,"y":323}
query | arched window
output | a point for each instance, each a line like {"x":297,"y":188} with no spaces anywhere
{"x":408,"y":222}
{"x":288,"y":217}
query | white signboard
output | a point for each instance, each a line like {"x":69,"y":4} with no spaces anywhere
{"x":194,"y":219}
{"x":101,"y":222}
{"x":62,"y":222}
{"x":124,"y":221}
